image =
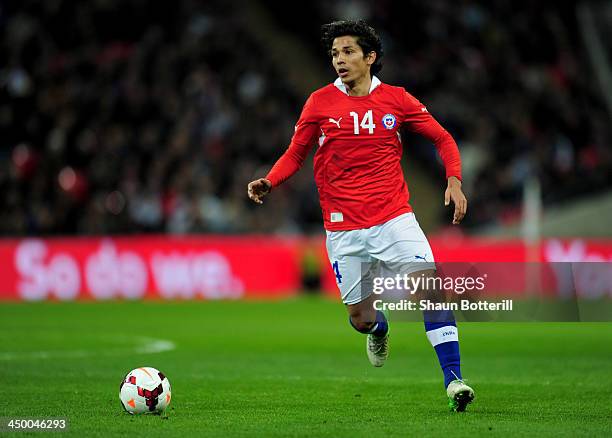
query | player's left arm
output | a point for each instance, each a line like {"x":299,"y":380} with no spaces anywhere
{"x":418,"y":119}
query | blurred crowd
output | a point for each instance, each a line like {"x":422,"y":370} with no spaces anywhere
{"x":130,"y":116}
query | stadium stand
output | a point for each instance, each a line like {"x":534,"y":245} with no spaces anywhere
{"x":156,"y":123}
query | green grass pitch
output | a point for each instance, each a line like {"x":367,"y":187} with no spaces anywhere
{"x":296,"y":368}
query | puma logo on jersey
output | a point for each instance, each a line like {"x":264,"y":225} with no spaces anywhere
{"x":336,"y":122}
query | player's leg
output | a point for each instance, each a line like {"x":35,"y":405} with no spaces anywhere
{"x":365,"y":319}
{"x":402,"y":246}
{"x":350,"y":263}
{"x":442,"y":333}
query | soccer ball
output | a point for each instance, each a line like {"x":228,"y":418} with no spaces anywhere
{"x":145,"y":391}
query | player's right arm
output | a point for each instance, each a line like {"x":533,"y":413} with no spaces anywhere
{"x":291,"y":161}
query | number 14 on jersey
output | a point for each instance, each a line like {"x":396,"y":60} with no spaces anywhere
{"x":366,"y":123}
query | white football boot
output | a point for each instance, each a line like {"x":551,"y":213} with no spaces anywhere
{"x":377,"y":349}
{"x":459,"y":395}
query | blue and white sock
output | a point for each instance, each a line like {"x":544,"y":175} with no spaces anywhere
{"x":441,"y":331}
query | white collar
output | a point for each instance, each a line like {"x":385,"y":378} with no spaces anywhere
{"x":338,"y":83}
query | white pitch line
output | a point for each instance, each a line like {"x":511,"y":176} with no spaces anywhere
{"x":146,"y":346}
{"x":155,"y":346}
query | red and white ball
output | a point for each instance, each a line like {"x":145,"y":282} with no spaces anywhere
{"x":145,"y":390}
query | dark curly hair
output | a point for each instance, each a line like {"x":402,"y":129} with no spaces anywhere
{"x":367,"y":38}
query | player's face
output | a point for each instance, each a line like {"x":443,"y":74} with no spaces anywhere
{"x":348,"y":59}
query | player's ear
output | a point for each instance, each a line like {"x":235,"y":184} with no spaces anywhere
{"x":371,"y":58}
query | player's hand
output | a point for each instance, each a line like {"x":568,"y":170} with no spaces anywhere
{"x":258,"y":189}
{"x":455,"y":194}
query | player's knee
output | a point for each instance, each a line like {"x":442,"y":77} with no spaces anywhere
{"x":362,"y":326}
{"x":361,"y":323}
{"x":362,"y":316}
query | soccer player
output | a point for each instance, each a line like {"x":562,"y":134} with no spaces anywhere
{"x":355,"y":121}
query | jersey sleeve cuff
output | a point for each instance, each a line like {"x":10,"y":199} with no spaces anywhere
{"x":272,"y":181}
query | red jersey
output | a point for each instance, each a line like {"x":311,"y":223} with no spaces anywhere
{"x":357,"y":163}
